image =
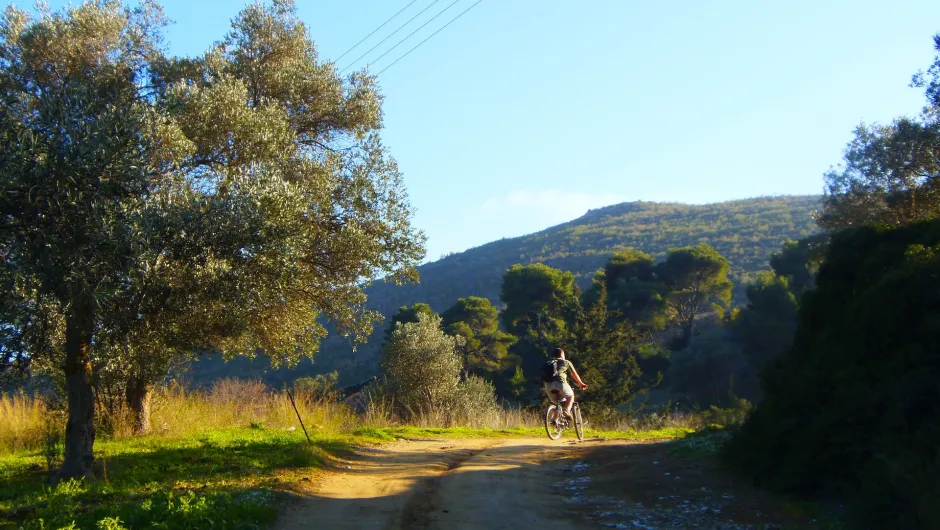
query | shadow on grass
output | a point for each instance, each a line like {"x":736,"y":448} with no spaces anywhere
{"x":221,"y":479}
{"x":225,"y":458}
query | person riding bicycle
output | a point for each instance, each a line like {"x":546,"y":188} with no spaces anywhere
{"x":555,"y":377}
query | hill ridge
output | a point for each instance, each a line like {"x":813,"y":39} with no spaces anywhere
{"x":746,"y":231}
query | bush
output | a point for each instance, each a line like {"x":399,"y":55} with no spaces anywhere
{"x":732,"y":416}
{"x":852,"y":408}
{"x":421,"y":367}
{"x":319,"y":387}
{"x":474,"y":403}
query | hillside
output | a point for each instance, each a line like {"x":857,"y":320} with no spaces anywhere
{"x":744,"y":231}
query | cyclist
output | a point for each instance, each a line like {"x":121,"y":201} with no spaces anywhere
{"x":559,"y":380}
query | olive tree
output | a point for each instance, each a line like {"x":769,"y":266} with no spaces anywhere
{"x":421,"y":365}
{"x":230,"y":202}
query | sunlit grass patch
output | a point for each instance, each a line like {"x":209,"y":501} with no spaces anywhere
{"x":229,"y":477}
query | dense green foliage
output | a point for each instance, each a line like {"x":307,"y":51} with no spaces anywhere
{"x":766,"y":324}
{"x":851,"y":408}
{"x":633,"y":290}
{"x":746,"y":232}
{"x":483,"y":346}
{"x":535,"y":296}
{"x":798,"y":262}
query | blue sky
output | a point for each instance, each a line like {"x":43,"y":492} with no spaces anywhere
{"x":523,"y":114}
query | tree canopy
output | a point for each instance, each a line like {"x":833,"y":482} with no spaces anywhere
{"x":891,"y":173}
{"x":536,"y":292}
{"x":484,"y":346}
{"x":697,"y":280}
{"x":634,"y":291}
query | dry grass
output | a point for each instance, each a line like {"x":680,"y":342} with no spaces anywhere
{"x":176,"y":412}
{"x":238,"y":403}
{"x":22,"y":424}
{"x":26,"y":424}
{"x":495,"y":418}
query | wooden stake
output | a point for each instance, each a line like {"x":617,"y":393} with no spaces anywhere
{"x":298,"y":414}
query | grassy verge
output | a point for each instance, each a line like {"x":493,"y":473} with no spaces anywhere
{"x":219,"y":479}
{"x":407,"y":433}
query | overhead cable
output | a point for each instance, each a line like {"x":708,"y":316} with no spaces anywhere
{"x":390,"y":35}
{"x":373,"y":31}
{"x":428,"y":38}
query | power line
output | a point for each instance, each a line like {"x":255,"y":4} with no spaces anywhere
{"x":415,"y":31}
{"x":373,"y":31}
{"x":429,"y":37}
{"x":390,"y":35}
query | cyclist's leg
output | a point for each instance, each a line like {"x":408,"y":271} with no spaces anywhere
{"x":554,"y":390}
{"x":569,"y":398}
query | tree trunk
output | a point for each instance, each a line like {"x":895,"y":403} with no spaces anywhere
{"x":688,"y":331}
{"x":138,"y":395}
{"x":80,"y":429}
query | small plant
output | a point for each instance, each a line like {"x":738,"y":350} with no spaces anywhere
{"x":110,"y":523}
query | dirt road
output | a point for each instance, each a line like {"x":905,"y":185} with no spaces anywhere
{"x":530,"y":483}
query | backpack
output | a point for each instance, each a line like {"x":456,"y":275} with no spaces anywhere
{"x":550,"y":371}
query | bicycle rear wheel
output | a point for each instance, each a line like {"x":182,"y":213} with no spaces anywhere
{"x":578,"y":422}
{"x":552,"y":429}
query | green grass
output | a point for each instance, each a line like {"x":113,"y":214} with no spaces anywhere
{"x":406,"y":433}
{"x":220,"y":479}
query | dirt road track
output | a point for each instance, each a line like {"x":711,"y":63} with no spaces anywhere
{"x":523,"y":483}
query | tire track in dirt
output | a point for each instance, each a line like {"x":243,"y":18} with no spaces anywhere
{"x":424,"y":500}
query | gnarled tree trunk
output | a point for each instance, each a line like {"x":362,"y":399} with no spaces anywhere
{"x":137,"y":394}
{"x":80,"y":429}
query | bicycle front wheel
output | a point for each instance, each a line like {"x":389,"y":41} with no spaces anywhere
{"x":578,"y":422}
{"x":552,"y":429}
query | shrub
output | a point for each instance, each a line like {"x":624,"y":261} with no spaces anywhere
{"x":319,"y":387}
{"x":421,"y":367}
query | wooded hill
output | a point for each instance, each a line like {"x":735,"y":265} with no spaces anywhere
{"x":746,"y":232}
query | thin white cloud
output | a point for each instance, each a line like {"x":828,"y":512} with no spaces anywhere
{"x":553,"y":205}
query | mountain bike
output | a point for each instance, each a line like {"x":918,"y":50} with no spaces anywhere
{"x":555,"y":427}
